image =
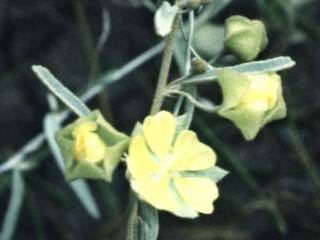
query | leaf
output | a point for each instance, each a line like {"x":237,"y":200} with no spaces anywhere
{"x":59,"y":90}
{"x":270,"y":65}
{"x":164,"y":17}
{"x":14,"y":160}
{"x":204,"y":36}
{"x":13,"y":210}
{"x":79,"y":187}
{"x":149,"y":222}
{"x":189,"y":107}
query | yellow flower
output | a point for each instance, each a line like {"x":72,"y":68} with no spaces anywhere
{"x":88,"y":145}
{"x":251,"y":100}
{"x":163,"y":166}
{"x":91,"y":147}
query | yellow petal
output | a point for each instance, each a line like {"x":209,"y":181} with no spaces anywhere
{"x":157,"y":192}
{"x":262,"y":94}
{"x":191,"y":154}
{"x":89,"y":147}
{"x":140,"y":163}
{"x":85,"y":127}
{"x":199,"y":193}
{"x":159,"y":131}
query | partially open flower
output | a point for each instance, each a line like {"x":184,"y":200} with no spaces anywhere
{"x":172,"y":170}
{"x":244,"y":37}
{"x":251,"y":100}
{"x":91,"y":147}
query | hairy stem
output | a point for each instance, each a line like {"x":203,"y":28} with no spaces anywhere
{"x":165,"y":68}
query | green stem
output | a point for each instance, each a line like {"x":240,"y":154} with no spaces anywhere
{"x":91,"y":55}
{"x":165,"y":68}
{"x":88,"y":47}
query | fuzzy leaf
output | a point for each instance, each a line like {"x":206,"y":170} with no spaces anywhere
{"x":59,"y":90}
{"x":263,"y":66}
{"x":164,"y":18}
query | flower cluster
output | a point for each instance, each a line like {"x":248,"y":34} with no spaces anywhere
{"x":167,"y":166}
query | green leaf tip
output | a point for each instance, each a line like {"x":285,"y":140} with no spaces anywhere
{"x":59,"y":90}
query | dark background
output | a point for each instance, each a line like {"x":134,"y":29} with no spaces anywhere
{"x":273,"y":189}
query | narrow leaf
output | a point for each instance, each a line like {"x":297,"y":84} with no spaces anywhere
{"x":15,"y":159}
{"x":79,"y":187}
{"x":13,"y":210}
{"x":189,"y":107}
{"x":58,"y":89}
{"x":270,"y":65}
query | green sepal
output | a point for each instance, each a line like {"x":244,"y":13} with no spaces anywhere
{"x":279,"y":111}
{"x":247,"y":121}
{"x":234,"y":86}
{"x":215,"y":173}
{"x":137,"y":129}
{"x":115,"y":141}
{"x":244,"y":37}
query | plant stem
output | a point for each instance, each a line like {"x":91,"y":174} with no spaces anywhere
{"x":165,"y":68}
{"x":304,"y":157}
{"x":91,"y":55}
{"x":89,"y":50}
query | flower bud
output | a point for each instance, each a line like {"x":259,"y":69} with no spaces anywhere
{"x":199,"y":65}
{"x":91,"y":147}
{"x":251,"y":100}
{"x":244,"y":37}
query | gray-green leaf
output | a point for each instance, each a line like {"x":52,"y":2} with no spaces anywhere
{"x":270,"y":65}
{"x":13,"y":210}
{"x":59,"y":90}
{"x":164,"y":18}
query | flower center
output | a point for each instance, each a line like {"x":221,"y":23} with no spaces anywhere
{"x":166,"y":167}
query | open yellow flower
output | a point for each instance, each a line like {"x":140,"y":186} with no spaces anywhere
{"x":251,"y":100}
{"x":163,"y":166}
